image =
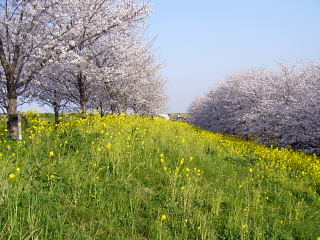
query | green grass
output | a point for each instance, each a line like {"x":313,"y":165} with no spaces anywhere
{"x":134,"y":178}
{"x":47,"y":116}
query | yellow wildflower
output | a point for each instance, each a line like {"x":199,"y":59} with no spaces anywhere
{"x":163,"y":217}
{"x":109,"y":146}
{"x":12,"y":176}
{"x":51,"y":154}
{"x":18,"y":170}
{"x":244,"y":226}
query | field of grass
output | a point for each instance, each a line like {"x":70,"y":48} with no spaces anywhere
{"x":126,"y":177}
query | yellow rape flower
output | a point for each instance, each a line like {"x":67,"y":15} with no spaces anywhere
{"x":244,"y":226}
{"x":109,"y":146}
{"x":12,"y":176}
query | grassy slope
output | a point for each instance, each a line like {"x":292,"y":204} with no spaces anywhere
{"x":132,"y":178}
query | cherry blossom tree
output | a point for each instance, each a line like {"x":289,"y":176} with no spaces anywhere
{"x":130,"y":79}
{"x":48,"y":89}
{"x":35,"y":33}
{"x":273,"y":107}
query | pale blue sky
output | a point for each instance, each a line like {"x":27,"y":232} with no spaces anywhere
{"x":202,"y":41}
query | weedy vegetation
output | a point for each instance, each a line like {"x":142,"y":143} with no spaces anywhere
{"x":128,"y":177}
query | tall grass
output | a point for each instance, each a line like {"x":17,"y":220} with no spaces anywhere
{"x":122,"y":177}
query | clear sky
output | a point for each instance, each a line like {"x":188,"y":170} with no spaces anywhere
{"x":202,"y":41}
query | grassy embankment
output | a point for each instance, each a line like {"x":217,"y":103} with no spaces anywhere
{"x":138,"y":178}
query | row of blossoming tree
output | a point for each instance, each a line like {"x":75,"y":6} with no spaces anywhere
{"x":274,"y":107}
{"x":85,"y":54}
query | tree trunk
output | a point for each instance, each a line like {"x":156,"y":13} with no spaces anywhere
{"x":101,"y":109}
{"x":56,"y":117}
{"x":56,"y":107}
{"x":14,"y":120}
{"x":83,"y":105}
{"x":56,"y":113}
{"x":112,"y":108}
{"x":82,"y":92}
{"x":12,"y":105}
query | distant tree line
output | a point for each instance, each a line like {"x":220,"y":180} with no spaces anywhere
{"x":273,"y":107}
